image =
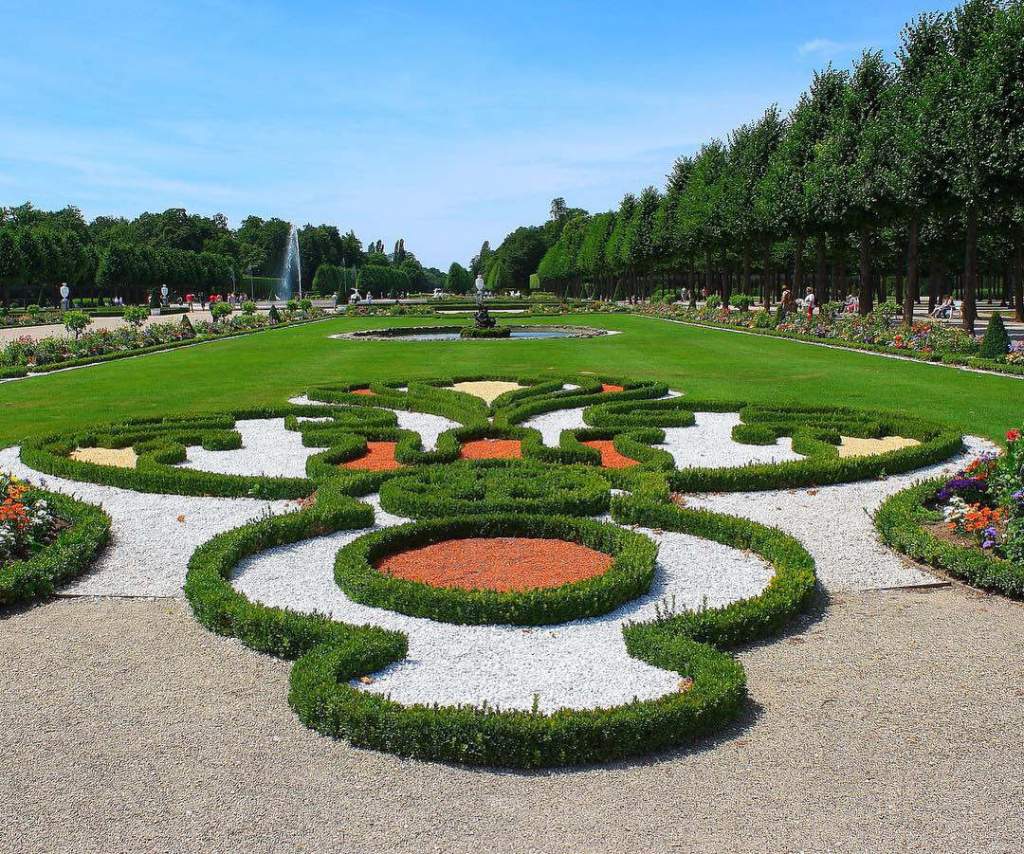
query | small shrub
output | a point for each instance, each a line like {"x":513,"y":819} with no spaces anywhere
{"x":248,"y":307}
{"x":220,"y":310}
{"x":135,"y":315}
{"x":75,"y":322}
{"x":996,"y":343}
{"x":274,"y":315}
{"x":743,"y":302}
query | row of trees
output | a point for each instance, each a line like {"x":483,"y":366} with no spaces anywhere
{"x":510,"y":265}
{"x":113,"y":256}
{"x":887,"y":173}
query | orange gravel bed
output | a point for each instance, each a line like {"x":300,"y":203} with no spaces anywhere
{"x":610,"y":458}
{"x":364,"y":391}
{"x":379,"y":456}
{"x":491,"y":449}
{"x":502,"y":564}
{"x":611,"y":387}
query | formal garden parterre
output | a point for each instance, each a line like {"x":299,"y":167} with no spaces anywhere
{"x":457,"y":661}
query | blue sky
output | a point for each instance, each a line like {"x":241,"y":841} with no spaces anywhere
{"x":444,"y":123}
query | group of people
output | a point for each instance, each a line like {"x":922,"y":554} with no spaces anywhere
{"x":788,"y":303}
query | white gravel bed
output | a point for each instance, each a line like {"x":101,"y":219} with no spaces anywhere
{"x":582,"y":664}
{"x":149,"y":548}
{"x":835,"y":525}
{"x":708,"y":443}
{"x":428,"y":426}
{"x":551,"y":424}
{"x":268,"y":449}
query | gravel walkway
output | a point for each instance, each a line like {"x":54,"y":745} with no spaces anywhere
{"x":893,"y":723}
{"x":428,"y":426}
{"x":835,"y":524}
{"x":267,"y":449}
{"x":152,"y":536}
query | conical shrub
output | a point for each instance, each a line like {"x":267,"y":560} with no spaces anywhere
{"x":996,"y":343}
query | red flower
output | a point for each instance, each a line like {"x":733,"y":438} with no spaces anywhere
{"x":1012,"y":435}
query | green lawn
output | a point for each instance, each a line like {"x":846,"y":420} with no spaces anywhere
{"x":269,"y":367}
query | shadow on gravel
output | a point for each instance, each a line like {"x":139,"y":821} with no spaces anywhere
{"x":752,"y":711}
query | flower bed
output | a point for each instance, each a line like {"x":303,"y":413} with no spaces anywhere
{"x":881,"y":331}
{"x":358,"y":573}
{"x":971,"y":525}
{"x":45,"y":539}
{"x":485,"y":332}
{"x":25,"y":355}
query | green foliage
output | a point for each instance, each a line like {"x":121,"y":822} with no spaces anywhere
{"x":135,"y":315}
{"x":629,"y":576}
{"x":902,"y":522}
{"x":380,"y":281}
{"x":743,"y":302}
{"x":70,"y":554}
{"x":996,"y":343}
{"x":485,"y":332}
{"x":497,"y":486}
{"x":248,"y":307}
{"x":76,"y":322}
{"x":219,"y":310}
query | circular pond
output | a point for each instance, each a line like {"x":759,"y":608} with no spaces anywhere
{"x":451,"y":333}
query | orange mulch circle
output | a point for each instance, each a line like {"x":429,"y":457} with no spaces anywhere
{"x":379,"y":456}
{"x":364,"y":391}
{"x":491,"y":449}
{"x":607,"y":387}
{"x":502,"y":564}
{"x":610,"y":458}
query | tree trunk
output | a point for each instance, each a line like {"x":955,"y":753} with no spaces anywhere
{"x":910,"y":291}
{"x":1018,"y":279}
{"x":821,"y":274}
{"x":726,"y":282}
{"x":970,"y":307}
{"x":839,"y":267}
{"x":866,"y":284}
{"x":766,"y":277}
{"x":708,"y":283}
{"x":798,"y":266}
{"x":747,"y":287}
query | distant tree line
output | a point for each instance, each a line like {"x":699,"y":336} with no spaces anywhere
{"x":114,"y":256}
{"x":903,"y":178}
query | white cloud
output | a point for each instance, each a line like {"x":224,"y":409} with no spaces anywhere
{"x":825,"y":48}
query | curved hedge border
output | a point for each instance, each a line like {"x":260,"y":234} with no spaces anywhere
{"x":496,"y":486}
{"x":900,"y":522}
{"x":629,"y":575}
{"x":329,"y":656}
{"x":70,"y":554}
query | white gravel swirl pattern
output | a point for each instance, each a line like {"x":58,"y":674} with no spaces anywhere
{"x":428,"y":426}
{"x":709,"y":444}
{"x":268,"y":449}
{"x":581,"y":664}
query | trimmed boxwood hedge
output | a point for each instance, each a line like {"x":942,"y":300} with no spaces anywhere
{"x":485,"y":332}
{"x":497,"y":486}
{"x":900,"y":522}
{"x":628,"y":577}
{"x":70,"y":554}
{"x":329,"y":656}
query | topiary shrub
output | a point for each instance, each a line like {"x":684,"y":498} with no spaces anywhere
{"x":743,"y":302}
{"x":996,"y":343}
{"x":248,"y":307}
{"x":274,"y":315}
{"x":482,"y":332}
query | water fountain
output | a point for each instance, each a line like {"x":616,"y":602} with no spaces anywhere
{"x":291,"y":259}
